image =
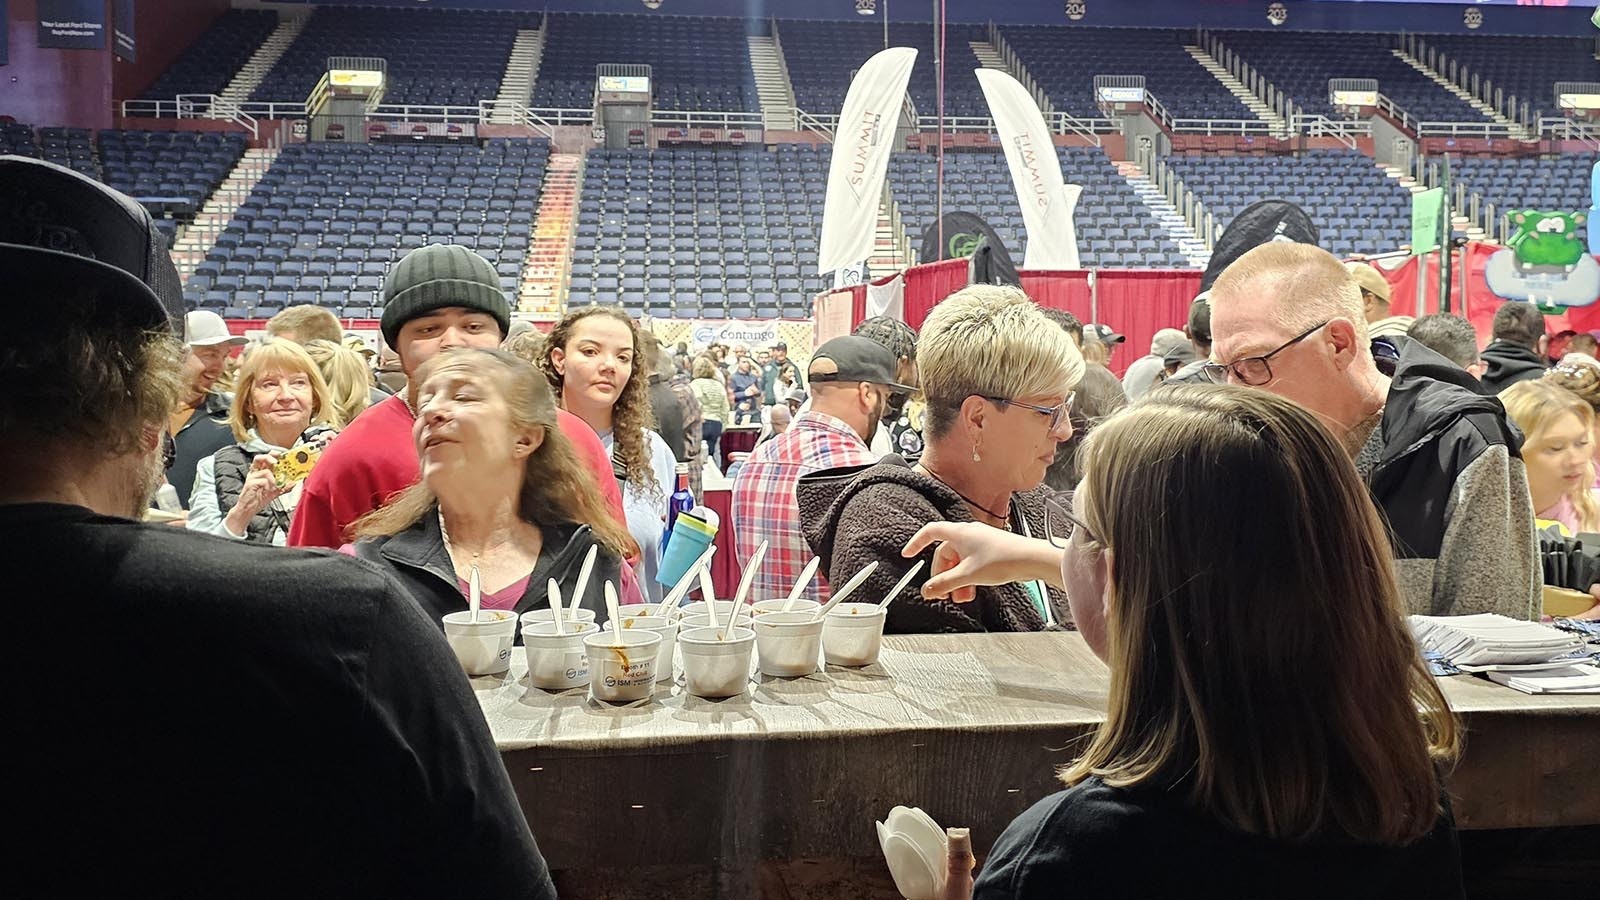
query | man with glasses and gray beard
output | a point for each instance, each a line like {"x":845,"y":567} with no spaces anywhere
{"x":196,"y":717}
{"x":1440,"y":459}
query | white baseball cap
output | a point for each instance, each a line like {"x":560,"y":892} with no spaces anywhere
{"x":204,"y":328}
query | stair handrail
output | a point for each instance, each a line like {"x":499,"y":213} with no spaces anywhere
{"x":1016,"y":69}
{"x":1398,"y":113}
{"x":783,"y":66}
{"x":1256,"y":83}
{"x":1479,"y":88}
{"x":1062,"y":122}
{"x":807,"y":122}
{"x":494,"y":112}
{"x":1565,"y":128}
{"x":1344,"y":131}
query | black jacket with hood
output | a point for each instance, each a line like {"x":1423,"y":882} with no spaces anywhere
{"x":858,"y":515}
{"x":1509,"y":363}
{"x":1448,"y":477}
{"x":418,"y":556}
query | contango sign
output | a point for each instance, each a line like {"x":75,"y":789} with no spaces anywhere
{"x":749,"y":334}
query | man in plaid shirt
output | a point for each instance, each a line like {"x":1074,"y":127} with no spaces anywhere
{"x":851,"y":379}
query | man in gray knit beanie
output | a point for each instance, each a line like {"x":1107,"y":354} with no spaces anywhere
{"x":437,"y":278}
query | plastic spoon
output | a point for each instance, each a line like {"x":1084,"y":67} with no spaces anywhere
{"x":900,"y":585}
{"x":800,"y":583}
{"x":849,"y":587}
{"x":749,"y":576}
{"x":553,"y":595}
{"x":615,"y":612}
{"x":474,"y":594}
{"x":584,"y":572}
{"x":708,"y":591}
{"x":732,"y":618}
{"x":675,"y":595}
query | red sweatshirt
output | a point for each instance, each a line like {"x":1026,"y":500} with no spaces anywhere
{"x":374,"y":458}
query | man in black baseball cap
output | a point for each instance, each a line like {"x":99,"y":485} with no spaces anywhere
{"x":338,"y":740}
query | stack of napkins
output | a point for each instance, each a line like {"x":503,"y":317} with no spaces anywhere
{"x":1567,"y":680}
{"x":1486,"y":640}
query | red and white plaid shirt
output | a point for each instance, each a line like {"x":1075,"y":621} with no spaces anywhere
{"x":764,"y":507}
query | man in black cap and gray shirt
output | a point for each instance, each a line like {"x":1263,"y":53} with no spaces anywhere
{"x":197,"y":717}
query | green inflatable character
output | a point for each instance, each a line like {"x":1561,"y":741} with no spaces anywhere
{"x":1547,"y":241}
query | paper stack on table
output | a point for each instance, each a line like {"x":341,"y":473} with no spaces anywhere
{"x":1566,"y":680}
{"x":1489,"y":640}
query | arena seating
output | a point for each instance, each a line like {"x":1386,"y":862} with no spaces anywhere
{"x":1544,"y":184}
{"x":718,"y":233}
{"x":1300,"y":64}
{"x":696,"y":63}
{"x":212,"y":61}
{"x":1357,"y":207}
{"x":1528,"y":67}
{"x":17,"y":139}
{"x":70,"y":147}
{"x":1065,"y":60}
{"x":326,"y":222}
{"x":173,"y":170}
{"x":1115,"y":229}
{"x":823,"y":56}
{"x":435,"y":57}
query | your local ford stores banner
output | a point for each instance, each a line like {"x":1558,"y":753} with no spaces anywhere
{"x":122,"y":40}
{"x":72,"y":24}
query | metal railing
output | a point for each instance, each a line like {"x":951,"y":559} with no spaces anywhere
{"x":1563,"y":88}
{"x":1277,"y":102}
{"x":823,"y":125}
{"x":1487,"y":130}
{"x":1221,"y":126}
{"x":680,"y":118}
{"x":1189,"y":206}
{"x":1398,"y":114}
{"x":1480,"y":88}
{"x":1561,"y":128}
{"x":1016,"y":69}
{"x":1346,"y":131}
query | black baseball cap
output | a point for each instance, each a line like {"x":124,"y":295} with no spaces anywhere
{"x":82,"y":249}
{"x":1105,"y":334}
{"x":851,"y":359}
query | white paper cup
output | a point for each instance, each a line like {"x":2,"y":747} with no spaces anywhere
{"x":484,"y":647}
{"x":787,"y":643}
{"x":713,"y":668}
{"x":535,"y":616}
{"x":852,"y":634}
{"x":697,"y":609}
{"x":557,"y":661}
{"x":630,"y":610}
{"x":667,"y":627}
{"x":622,"y":674}
{"x":802,"y":605}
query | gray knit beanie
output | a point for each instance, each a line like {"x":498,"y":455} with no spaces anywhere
{"x":437,"y":276}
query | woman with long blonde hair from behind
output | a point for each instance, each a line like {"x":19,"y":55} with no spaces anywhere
{"x":349,"y":380}
{"x":1271,"y":729}
{"x":1557,"y":449}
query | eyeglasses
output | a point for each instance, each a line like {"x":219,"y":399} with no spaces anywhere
{"x":1254,"y":370}
{"x":1055,"y":413}
{"x":1058,"y":507}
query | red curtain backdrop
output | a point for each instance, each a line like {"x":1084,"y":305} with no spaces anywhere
{"x":1067,"y":290}
{"x":1138,"y":303}
{"x":1470,"y":296}
{"x":929,"y":284}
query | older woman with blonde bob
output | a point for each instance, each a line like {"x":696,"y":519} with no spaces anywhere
{"x":281,"y":403}
{"x":1269,"y":720}
{"x":999,"y":380}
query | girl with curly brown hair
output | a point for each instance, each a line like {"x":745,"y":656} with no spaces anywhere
{"x":589,"y":359}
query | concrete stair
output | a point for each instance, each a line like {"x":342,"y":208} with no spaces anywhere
{"x":889,"y":248}
{"x":1256,"y":105}
{"x":542,"y":293}
{"x":197,"y":238}
{"x":1517,"y":131}
{"x":989,"y":57}
{"x":1191,"y":245}
{"x":255,"y":69}
{"x":522,"y":68}
{"x":772,"y":83}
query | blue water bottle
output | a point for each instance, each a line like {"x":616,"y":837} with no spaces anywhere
{"x":681,"y":501}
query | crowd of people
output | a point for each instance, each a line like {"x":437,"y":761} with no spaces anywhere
{"x":1359,"y":453}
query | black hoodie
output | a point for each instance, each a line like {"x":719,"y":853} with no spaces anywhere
{"x":418,"y":556}
{"x":1508,"y":364}
{"x":1450,"y":482}
{"x":855,"y":516}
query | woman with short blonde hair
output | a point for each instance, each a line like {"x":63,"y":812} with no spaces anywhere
{"x":1558,"y":452}
{"x":999,"y":378}
{"x":1269,"y":719}
{"x":281,"y":404}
